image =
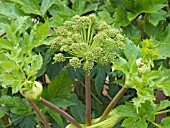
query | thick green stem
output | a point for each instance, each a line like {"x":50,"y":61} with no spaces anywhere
{"x":61,"y":112}
{"x":162,"y":112}
{"x":36,"y":109}
{"x":157,"y":125}
{"x":112,"y":103}
{"x":88,"y":98}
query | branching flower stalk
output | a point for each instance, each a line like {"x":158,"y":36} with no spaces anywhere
{"x":89,"y":42}
{"x":61,"y":112}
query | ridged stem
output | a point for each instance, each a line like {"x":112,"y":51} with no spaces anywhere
{"x":112,"y":103}
{"x":36,"y":109}
{"x":88,"y":98}
{"x":61,"y":112}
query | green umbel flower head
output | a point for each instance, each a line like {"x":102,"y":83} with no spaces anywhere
{"x":87,"y":39}
{"x":59,"y":57}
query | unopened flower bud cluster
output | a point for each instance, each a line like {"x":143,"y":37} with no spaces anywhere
{"x":88,"y":40}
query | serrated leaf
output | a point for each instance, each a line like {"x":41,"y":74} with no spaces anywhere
{"x":134,"y":123}
{"x":61,"y":9}
{"x":56,"y":117}
{"x":156,"y":18}
{"x":163,"y":104}
{"x":127,"y":110}
{"x":59,"y":87}
{"x":37,"y":63}
{"x":45,"y":5}
{"x":16,"y":105}
{"x":6,"y":44}
{"x":43,"y":31}
{"x":165,"y":122}
{"x":29,"y":6}
{"x":164,"y":48}
{"x":14,"y":81}
{"x":121,"y":18}
{"x":100,"y":73}
{"x":131,"y":50}
{"x":10,"y":10}
{"x":137,"y":7}
{"x":78,"y":110}
{"x":10,"y":33}
{"x":21,"y":24}
{"x":3,"y":111}
{"x":105,"y":15}
{"x":25,"y":122}
{"x":133,"y":33}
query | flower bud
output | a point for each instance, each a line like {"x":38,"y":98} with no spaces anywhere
{"x":31,"y":90}
{"x":142,"y":66}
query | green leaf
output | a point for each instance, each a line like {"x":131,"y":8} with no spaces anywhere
{"x":6,"y":44}
{"x":21,"y":24}
{"x":163,"y":104}
{"x":10,"y":33}
{"x":121,"y":17}
{"x":12,"y":80}
{"x":62,"y":102}
{"x":45,"y":5}
{"x":10,"y":10}
{"x":29,"y":6}
{"x":78,"y":110}
{"x":81,"y":7}
{"x":59,"y":87}
{"x":136,"y":7}
{"x":134,"y":123}
{"x":43,"y":31}
{"x":156,"y":18}
{"x":100,"y":73}
{"x":16,"y":105}
{"x":131,"y":50}
{"x":37,"y":63}
{"x":61,"y":9}
{"x":133,"y":33}
{"x":24,"y":121}
{"x":56,"y":117}
{"x":3,"y":111}
{"x":164,"y":48}
{"x":165,"y":122}
{"x":127,"y":110}
{"x":105,"y":15}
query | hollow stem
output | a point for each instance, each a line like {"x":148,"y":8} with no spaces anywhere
{"x":36,"y":109}
{"x":88,"y":98}
{"x":61,"y":112}
{"x":112,"y":103}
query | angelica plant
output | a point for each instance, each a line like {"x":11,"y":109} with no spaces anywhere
{"x":88,"y":42}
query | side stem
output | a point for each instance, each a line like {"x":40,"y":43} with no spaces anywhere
{"x":36,"y":109}
{"x":112,"y":103}
{"x":88,"y":98}
{"x":61,"y":112}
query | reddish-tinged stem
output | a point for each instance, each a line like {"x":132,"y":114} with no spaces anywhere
{"x":88,"y":98}
{"x":112,"y":103}
{"x":61,"y":112}
{"x":36,"y":109}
